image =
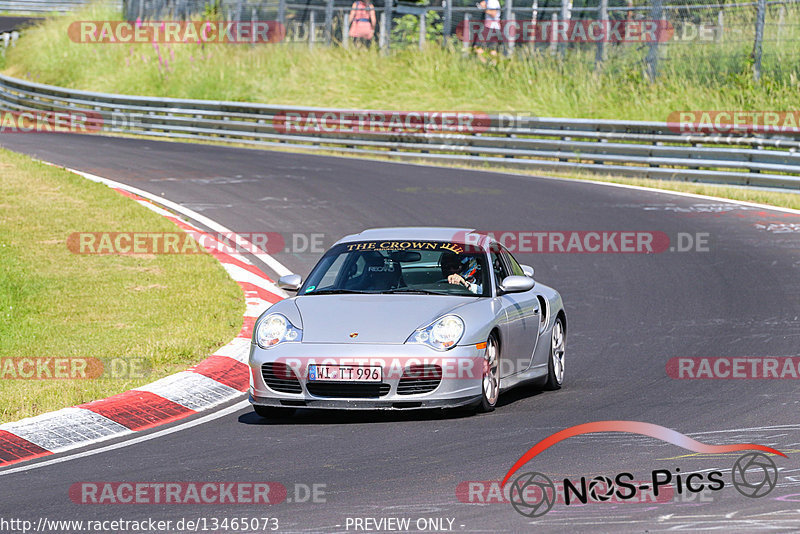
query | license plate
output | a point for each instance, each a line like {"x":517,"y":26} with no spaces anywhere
{"x":344,"y":373}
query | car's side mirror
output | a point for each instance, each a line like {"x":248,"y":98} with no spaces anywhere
{"x":528,"y":270}
{"x":516,"y":284}
{"x":290,"y":282}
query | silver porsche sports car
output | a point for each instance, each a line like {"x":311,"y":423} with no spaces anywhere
{"x":404,"y":318}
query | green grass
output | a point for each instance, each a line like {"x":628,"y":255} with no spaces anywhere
{"x":164,"y":311}
{"x":693,"y":76}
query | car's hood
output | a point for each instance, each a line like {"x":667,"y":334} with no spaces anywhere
{"x":376,"y":318}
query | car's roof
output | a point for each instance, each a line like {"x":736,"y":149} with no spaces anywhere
{"x":428,"y":233}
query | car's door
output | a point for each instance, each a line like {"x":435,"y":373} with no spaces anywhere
{"x":522,"y":312}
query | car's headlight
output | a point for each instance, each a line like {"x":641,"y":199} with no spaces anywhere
{"x":276,"y":328}
{"x":442,"y":334}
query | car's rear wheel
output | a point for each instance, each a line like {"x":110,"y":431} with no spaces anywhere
{"x":491,"y":375}
{"x":555,"y":367}
{"x":269,"y":412}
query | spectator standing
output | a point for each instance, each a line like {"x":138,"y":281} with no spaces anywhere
{"x":362,"y":22}
{"x":491,"y":20}
{"x":491,"y":13}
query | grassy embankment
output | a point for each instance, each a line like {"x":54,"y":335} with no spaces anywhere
{"x":697,"y":76}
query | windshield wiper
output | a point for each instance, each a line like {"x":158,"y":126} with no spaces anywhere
{"x":415,"y":290}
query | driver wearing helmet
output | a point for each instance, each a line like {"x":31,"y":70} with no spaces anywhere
{"x":462,"y":271}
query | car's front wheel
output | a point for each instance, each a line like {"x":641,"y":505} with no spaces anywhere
{"x":269,"y":412}
{"x":555,"y":367}
{"x":491,"y":375}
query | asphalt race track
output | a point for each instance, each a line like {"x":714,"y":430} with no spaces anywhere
{"x":628,"y":314}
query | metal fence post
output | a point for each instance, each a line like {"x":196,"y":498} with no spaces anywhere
{"x":762,"y":8}
{"x":553,"y":33}
{"x":383,"y":39}
{"x":282,"y":11}
{"x":505,"y":28}
{"x":329,"y":22}
{"x":447,"y":29}
{"x":311,"y":28}
{"x":345,"y":28}
{"x":517,"y":33}
{"x":781,"y":15}
{"x":531,"y":45}
{"x":253,"y":19}
{"x":602,"y":17}
{"x":720,"y":26}
{"x":388,"y":11}
{"x":466,"y":37}
{"x":566,"y":15}
{"x":422,"y":19}
{"x":656,"y":13}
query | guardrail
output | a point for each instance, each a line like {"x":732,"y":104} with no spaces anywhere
{"x":49,"y":6}
{"x":41,"y":6}
{"x":629,"y":148}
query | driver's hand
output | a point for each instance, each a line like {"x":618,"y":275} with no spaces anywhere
{"x":456,"y":279}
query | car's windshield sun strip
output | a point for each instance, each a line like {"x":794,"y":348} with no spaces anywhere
{"x":335,"y":291}
{"x":416,"y":290}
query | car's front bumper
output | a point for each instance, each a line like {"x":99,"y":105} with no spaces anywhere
{"x":460,"y":383}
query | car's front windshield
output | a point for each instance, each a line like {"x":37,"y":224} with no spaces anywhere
{"x":423,"y":267}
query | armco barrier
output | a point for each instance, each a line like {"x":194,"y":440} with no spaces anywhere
{"x":48,"y":6}
{"x":629,"y":148}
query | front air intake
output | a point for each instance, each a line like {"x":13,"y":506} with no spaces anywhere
{"x":280,"y":377}
{"x":421,"y":378}
{"x":346,"y":389}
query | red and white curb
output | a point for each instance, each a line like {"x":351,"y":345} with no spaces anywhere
{"x":222,"y":377}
